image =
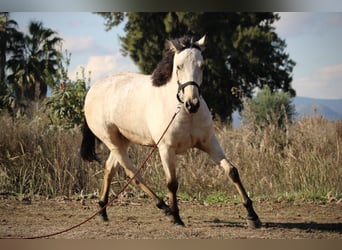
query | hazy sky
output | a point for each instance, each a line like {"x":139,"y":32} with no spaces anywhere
{"x":313,"y":42}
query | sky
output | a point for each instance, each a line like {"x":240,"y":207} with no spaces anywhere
{"x":313,"y":41}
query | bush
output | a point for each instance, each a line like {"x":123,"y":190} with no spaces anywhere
{"x":268,"y":108}
{"x":65,"y":105}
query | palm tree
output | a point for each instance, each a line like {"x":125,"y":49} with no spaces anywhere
{"x":34,"y":64}
{"x":9,"y":37}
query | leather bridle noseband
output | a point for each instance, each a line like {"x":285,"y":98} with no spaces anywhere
{"x":181,"y":88}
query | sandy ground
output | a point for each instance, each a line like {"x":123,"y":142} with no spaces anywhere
{"x":134,"y":218}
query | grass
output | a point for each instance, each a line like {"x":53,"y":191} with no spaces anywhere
{"x":36,"y":159}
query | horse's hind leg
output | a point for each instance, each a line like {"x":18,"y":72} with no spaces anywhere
{"x":111,"y":166}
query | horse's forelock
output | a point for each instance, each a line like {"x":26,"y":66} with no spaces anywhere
{"x":183,"y":43}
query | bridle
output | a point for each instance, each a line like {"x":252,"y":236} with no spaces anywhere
{"x":181,"y":88}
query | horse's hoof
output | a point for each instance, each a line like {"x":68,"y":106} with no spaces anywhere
{"x":177,"y":220}
{"x":253,"y":223}
{"x":104,"y":218}
{"x":161,"y":205}
{"x":103,"y":212}
{"x":178,"y":223}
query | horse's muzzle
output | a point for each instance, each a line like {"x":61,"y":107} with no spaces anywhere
{"x":192,"y":106}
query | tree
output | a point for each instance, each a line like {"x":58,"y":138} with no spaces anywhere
{"x":269,"y":108}
{"x":267,"y":117}
{"x":34,"y":63}
{"x":9,"y":38}
{"x":243,"y":50}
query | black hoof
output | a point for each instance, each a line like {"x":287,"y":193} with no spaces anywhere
{"x":103,"y":212}
{"x":161,"y":205}
{"x":177,"y":220}
{"x":104,"y":218}
{"x":178,"y":223}
{"x":253,"y":222}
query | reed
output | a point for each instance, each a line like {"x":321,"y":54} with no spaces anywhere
{"x":303,"y":161}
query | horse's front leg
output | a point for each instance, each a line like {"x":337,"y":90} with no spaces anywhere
{"x":215,"y":151}
{"x":168,"y":158}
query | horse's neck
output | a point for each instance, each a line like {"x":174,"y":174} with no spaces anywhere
{"x":168,"y":94}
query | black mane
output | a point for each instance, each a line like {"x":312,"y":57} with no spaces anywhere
{"x":163,"y":72}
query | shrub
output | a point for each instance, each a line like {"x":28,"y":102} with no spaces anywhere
{"x":268,"y":108}
{"x":65,"y":105}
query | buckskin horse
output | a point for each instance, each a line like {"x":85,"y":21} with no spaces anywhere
{"x":132,"y":107}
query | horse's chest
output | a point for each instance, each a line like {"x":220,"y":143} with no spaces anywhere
{"x":188,"y":137}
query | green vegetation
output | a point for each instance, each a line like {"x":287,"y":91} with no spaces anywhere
{"x":269,"y":108}
{"x":218,"y":197}
{"x":65,"y":105}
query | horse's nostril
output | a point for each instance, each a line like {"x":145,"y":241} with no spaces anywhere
{"x":188,"y":105}
{"x":192,"y":107}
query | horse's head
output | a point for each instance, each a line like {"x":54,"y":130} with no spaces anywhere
{"x":183,"y":62}
{"x":188,"y":70}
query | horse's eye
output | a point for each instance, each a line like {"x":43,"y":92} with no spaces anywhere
{"x":179,"y":67}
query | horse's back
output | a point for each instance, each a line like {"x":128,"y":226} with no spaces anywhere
{"x":117,"y":104}
{"x":115,"y":90}
{"x":121,"y":83}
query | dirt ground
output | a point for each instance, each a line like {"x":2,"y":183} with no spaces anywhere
{"x":134,"y":218}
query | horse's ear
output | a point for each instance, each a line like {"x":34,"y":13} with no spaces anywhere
{"x":201,"y":42}
{"x":172,"y":45}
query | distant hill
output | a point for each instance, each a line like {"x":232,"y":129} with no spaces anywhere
{"x":328,"y":108}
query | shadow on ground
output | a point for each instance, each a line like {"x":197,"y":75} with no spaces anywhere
{"x":307,"y":226}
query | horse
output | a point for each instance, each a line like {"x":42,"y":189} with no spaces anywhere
{"x":127,"y":108}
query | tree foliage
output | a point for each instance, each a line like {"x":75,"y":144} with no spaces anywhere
{"x":65,"y":104}
{"x":243,"y":50}
{"x":9,"y":39}
{"x":269,"y":108}
{"x":34,"y":62}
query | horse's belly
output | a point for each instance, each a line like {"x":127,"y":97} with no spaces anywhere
{"x":138,"y":138}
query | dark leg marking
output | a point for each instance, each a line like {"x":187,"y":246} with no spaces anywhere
{"x":252,"y":218}
{"x":103,"y":212}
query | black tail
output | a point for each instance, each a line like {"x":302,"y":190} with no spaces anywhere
{"x":88,"y":144}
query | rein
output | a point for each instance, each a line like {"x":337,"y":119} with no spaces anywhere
{"x":114,"y":196}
